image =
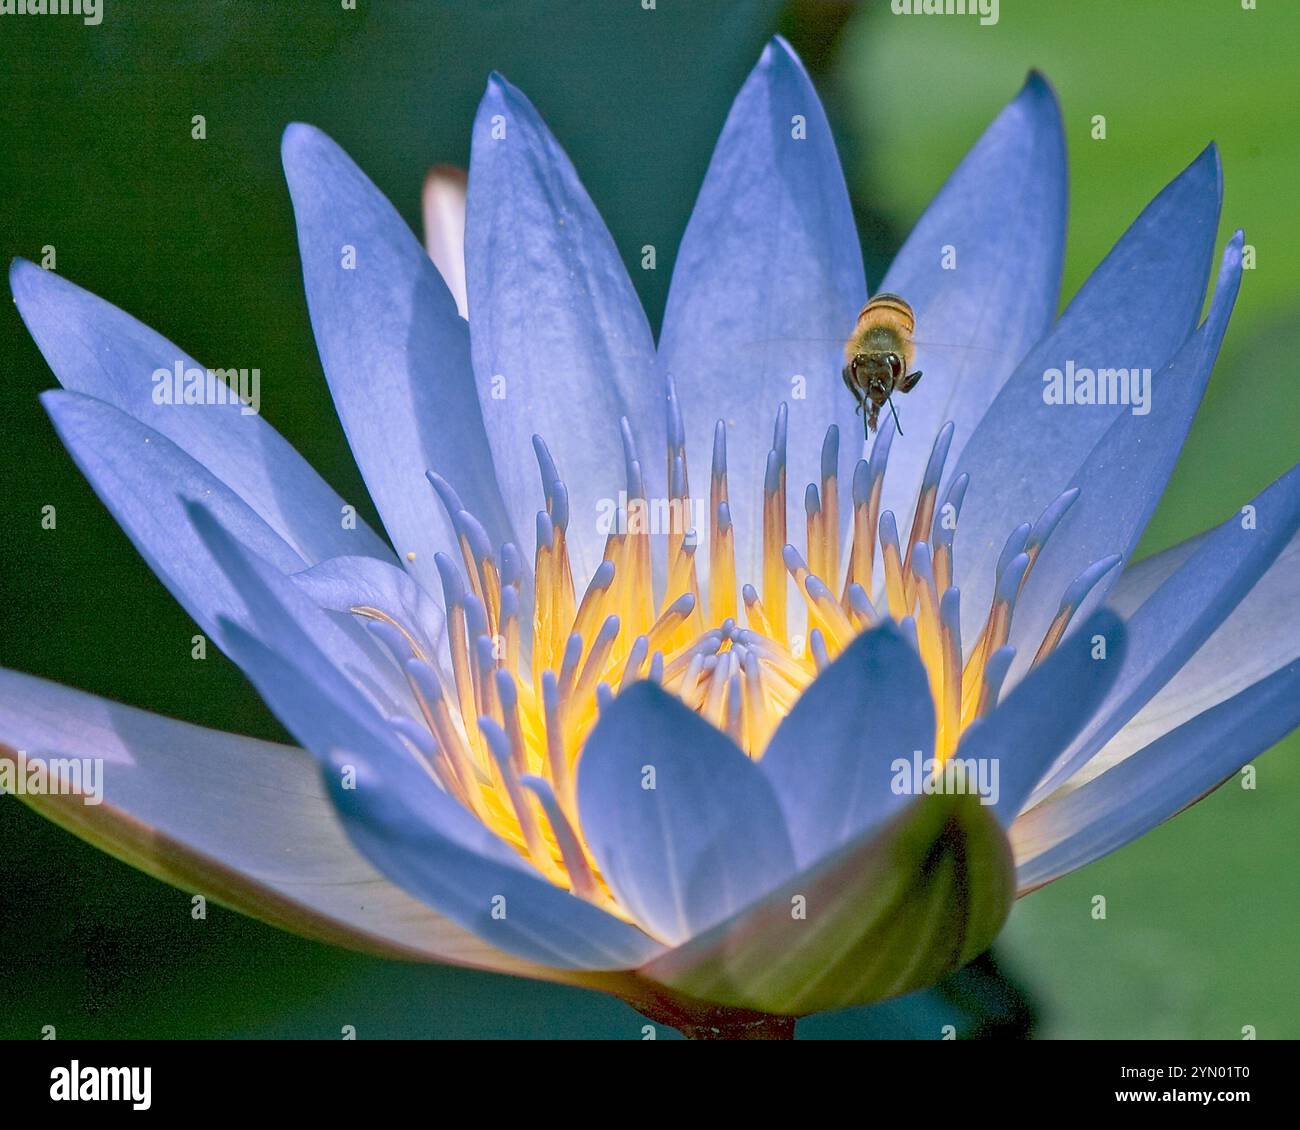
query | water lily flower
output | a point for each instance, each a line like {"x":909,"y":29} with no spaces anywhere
{"x":662,"y":690}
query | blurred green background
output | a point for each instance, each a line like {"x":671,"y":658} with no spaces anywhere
{"x":196,"y":238}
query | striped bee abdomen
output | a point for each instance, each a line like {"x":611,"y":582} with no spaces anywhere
{"x":892,"y":308}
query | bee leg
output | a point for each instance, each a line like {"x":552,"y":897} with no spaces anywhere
{"x":909,"y":382}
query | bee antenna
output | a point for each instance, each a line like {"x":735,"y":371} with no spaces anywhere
{"x":897,"y":426}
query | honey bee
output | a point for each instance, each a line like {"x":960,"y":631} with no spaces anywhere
{"x":878,"y":356}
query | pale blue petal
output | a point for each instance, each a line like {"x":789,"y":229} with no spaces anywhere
{"x":144,"y":480}
{"x":1001,"y":217}
{"x":1171,"y":626}
{"x":685,"y":828}
{"x":561,"y":345}
{"x":832,"y":759}
{"x":96,"y":349}
{"x":1123,"y":476}
{"x":1135,"y":311}
{"x":395,"y":353}
{"x":766,"y":287}
{"x":1072,"y":829}
{"x":1260,"y":636}
{"x":245,"y":822}
{"x":140,"y":475}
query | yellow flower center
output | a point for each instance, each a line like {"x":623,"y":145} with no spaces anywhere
{"x":507,"y":732}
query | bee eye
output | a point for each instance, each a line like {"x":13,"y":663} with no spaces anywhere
{"x":895,"y":365}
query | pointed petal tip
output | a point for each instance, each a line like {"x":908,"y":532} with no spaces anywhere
{"x":18,"y":271}
{"x":1037,"y":103}
{"x":887,"y":627}
{"x":61,"y":404}
{"x":304,"y":149}
{"x":22,"y":283}
{"x":1038,"y":86}
{"x":29,"y":282}
{"x":779,"y":56}
{"x":500,"y":94}
{"x":1232,"y":251}
{"x":501,"y":88}
{"x":298,"y":139}
{"x":866,"y":643}
{"x":777,"y":47}
{"x":1208,"y":163}
{"x":51,"y":304}
{"x":53,"y":400}
{"x":1230,"y":266}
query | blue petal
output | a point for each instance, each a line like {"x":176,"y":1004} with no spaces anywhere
{"x":96,"y":349}
{"x":1123,"y":476}
{"x":1176,"y":620}
{"x":244,"y":821}
{"x":1037,"y":720}
{"x":395,"y":353}
{"x":831,"y":759}
{"x":1260,"y":636}
{"x":767,"y":283}
{"x":692,"y":844}
{"x":561,"y":345}
{"x":397,"y":817}
{"x":1003,"y":214}
{"x":1135,"y":311}
{"x":143,"y":479}
{"x":140,"y":475}
{"x":1159,"y":781}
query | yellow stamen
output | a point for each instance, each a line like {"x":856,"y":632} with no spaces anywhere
{"x":506,"y":738}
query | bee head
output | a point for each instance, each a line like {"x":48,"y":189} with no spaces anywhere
{"x":877,"y":370}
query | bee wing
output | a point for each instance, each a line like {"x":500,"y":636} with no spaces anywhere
{"x":930,"y":343}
